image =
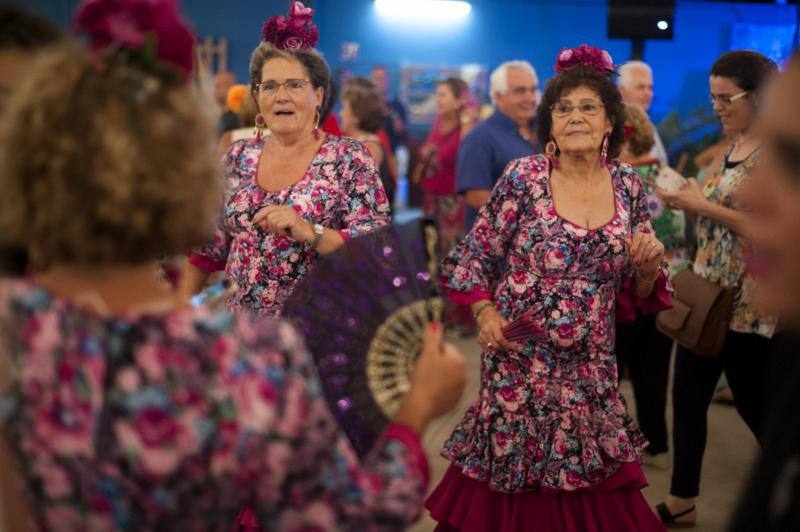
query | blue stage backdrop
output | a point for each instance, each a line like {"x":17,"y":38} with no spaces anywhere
{"x":497,"y":30}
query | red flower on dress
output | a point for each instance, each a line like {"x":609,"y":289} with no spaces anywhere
{"x":293,"y":32}
{"x":133,"y":24}
{"x":584,"y":56}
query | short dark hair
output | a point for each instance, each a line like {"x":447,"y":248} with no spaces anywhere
{"x":458,"y":87}
{"x":22,"y":29}
{"x":366,"y":106}
{"x":605,"y":88}
{"x":748,"y":69}
{"x":312,"y":61}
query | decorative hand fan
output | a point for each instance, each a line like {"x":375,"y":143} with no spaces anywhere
{"x":363,"y":310}
{"x":522,"y":328}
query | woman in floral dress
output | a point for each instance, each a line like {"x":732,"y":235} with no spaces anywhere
{"x":548,"y":445}
{"x":126,"y":409}
{"x":294,"y":194}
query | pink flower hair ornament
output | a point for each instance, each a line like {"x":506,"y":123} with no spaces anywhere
{"x":585,"y":56}
{"x":150,"y":33}
{"x":294,"y":31}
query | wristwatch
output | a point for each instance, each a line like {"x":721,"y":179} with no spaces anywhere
{"x":319,"y":230}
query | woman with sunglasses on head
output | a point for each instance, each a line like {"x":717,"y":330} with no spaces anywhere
{"x":296,"y":193}
{"x":721,"y":225}
{"x":549,"y":445}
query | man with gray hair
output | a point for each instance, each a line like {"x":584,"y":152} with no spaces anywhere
{"x":636,"y":86}
{"x":506,"y":135}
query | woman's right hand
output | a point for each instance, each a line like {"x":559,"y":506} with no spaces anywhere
{"x":490,"y":327}
{"x":437,"y":383}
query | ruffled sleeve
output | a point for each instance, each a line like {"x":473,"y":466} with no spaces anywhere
{"x":628,"y":305}
{"x":214,"y":255}
{"x":365,"y":204}
{"x":473,"y":267}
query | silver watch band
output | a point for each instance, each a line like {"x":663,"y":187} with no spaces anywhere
{"x":319,"y":230}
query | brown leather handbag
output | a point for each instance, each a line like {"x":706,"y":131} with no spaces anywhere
{"x":700,"y":315}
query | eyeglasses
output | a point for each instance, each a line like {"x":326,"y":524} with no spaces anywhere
{"x":725,"y":99}
{"x":293,"y":86}
{"x":586,"y":107}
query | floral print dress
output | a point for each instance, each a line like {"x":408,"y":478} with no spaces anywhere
{"x":340,"y":190}
{"x":549,"y":414}
{"x":174,"y":422}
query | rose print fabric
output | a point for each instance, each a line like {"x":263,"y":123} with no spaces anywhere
{"x":341,"y":190}
{"x":175,"y":422}
{"x":549,"y":414}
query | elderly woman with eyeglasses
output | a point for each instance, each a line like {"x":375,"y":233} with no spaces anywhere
{"x":722,"y":225}
{"x":294,"y":194}
{"x":548,"y":444}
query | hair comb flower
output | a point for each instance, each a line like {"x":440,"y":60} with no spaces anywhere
{"x":585,"y":56}
{"x":294,"y":31}
{"x":628,"y":130}
{"x":151,"y":32}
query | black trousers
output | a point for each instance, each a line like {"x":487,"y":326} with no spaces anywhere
{"x":745,"y":360}
{"x":646,"y":353}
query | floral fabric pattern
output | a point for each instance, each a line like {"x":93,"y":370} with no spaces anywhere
{"x":669,"y":224}
{"x":175,"y":422}
{"x":549,"y":414}
{"x":721,"y":253}
{"x":341,"y":190}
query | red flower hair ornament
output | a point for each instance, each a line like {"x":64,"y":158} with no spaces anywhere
{"x":294,"y":31}
{"x":151,"y":33}
{"x":585,"y":56}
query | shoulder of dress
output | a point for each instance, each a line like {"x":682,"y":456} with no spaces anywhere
{"x":628,"y":176}
{"x":531,"y":167}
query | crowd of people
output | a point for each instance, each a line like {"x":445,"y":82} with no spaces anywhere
{"x":126,"y":408}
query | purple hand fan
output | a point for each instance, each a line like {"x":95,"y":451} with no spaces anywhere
{"x":363,"y":310}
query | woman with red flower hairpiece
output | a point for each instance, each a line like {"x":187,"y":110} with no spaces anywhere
{"x":127,"y":409}
{"x":564,"y":241}
{"x":292,"y":195}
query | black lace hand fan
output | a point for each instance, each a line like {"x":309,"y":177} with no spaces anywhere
{"x":363,"y":310}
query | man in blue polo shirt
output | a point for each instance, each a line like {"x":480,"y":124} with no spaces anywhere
{"x":506,"y":135}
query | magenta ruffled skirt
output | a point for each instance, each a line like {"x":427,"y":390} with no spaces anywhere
{"x":460,"y":503}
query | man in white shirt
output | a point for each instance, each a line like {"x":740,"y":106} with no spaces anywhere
{"x":636,"y":86}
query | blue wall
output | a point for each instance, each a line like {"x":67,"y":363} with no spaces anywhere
{"x":498,"y":30}
{"x":495,"y":31}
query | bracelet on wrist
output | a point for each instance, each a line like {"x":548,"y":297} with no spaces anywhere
{"x":480,"y":309}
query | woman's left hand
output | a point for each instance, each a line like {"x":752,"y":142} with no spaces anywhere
{"x":688,"y":198}
{"x":646,"y":253}
{"x":284,"y":220}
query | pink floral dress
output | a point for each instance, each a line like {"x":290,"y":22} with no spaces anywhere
{"x":549,"y":414}
{"x":175,"y":422}
{"x":341,"y":190}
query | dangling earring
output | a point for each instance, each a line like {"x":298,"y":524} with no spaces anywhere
{"x":550,"y":150}
{"x":261,"y":123}
{"x":604,"y":150}
{"x":316,"y":125}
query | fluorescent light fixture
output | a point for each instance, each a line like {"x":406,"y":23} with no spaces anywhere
{"x":430,"y":11}
{"x":663,"y":25}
